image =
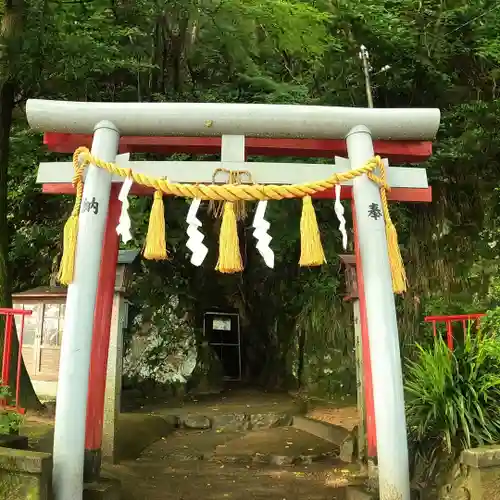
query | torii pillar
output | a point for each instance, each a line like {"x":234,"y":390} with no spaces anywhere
{"x":411,"y":127}
{"x":367,"y":441}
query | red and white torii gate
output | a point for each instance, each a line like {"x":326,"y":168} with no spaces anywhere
{"x":401,"y":135}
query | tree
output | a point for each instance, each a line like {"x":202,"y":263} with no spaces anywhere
{"x":10,"y":48}
{"x":287,"y":51}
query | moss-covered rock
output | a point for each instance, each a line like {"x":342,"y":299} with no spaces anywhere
{"x":25,"y":475}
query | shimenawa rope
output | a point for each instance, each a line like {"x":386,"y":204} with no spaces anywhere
{"x":155,"y":248}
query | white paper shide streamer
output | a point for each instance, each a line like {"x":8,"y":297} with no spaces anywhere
{"x":261,"y":226}
{"x":124,"y":224}
{"x":195,"y":242}
{"x":339,"y":211}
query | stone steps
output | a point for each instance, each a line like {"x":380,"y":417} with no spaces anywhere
{"x":230,"y":422}
{"x":338,"y":436}
{"x":214,"y":481}
{"x":268,"y":437}
{"x":186,"y":445}
{"x":284,"y":446}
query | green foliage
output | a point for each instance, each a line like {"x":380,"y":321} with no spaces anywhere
{"x":286,"y":51}
{"x":490,"y":325}
{"x":453,"y":398}
{"x":10,"y":421}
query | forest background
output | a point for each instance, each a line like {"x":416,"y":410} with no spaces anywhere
{"x":441,"y":54}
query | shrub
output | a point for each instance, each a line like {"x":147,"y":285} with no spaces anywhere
{"x":491,"y":323}
{"x":453,"y":398}
{"x":10,"y":421}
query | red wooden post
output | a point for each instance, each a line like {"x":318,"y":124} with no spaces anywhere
{"x":371,"y":432}
{"x":7,"y":352}
{"x":434,"y":329}
{"x":448,"y":320}
{"x":19,"y":360}
{"x":100,"y":341}
{"x":6,"y":349}
{"x":449,"y":334}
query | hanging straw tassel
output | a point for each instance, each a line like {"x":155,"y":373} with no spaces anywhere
{"x":156,"y":242}
{"x":229,"y":245}
{"x":399,"y":281}
{"x":311,"y":250}
{"x":398,"y":274}
{"x":67,"y":266}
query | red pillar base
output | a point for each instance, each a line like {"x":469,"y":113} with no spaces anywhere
{"x":92,"y":460}
{"x":100,"y":341}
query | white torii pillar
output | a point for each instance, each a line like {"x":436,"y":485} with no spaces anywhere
{"x":392,"y":444}
{"x":357,"y":125}
{"x":72,"y":389}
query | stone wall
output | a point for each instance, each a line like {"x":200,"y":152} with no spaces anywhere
{"x":476,"y":476}
{"x":25,"y":475}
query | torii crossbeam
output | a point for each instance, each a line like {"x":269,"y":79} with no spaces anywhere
{"x":407,"y":184}
{"x":354,"y":127}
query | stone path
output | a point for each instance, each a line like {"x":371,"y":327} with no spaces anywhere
{"x":227,"y":402}
{"x":278,"y":446}
{"x":196,"y":480}
{"x":229,"y":458}
{"x":241,"y":447}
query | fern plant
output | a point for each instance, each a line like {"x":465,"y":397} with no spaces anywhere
{"x":453,"y":398}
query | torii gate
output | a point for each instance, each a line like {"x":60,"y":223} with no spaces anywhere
{"x":400,"y":134}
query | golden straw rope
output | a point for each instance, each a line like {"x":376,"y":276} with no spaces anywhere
{"x":232,"y":192}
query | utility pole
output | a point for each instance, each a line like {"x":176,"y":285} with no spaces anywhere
{"x":366,"y":407}
{"x":367,"y":70}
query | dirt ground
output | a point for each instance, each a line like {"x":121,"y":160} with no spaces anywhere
{"x":193,"y":480}
{"x":152,"y":468}
{"x":229,"y":402}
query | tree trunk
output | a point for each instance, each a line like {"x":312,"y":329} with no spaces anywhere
{"x":10,"y":39}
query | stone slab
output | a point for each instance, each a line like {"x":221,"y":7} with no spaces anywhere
{"x":232,"y":422}
{"x":335,"y":434}
{"x":329,"y":432}
{"x":484,"y":483}
{"x":25,"y":474}
{"x":485,"y":456}
{"x":280,"y":446}
{"x":269,"y":420}
{"x":31,"y":462}
{"x":194,"y":421}
{"x":184,"y":446}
